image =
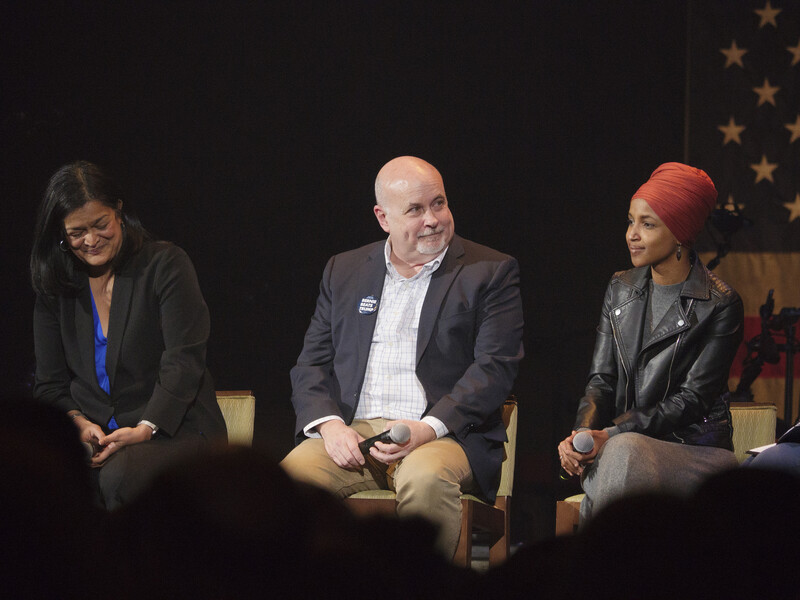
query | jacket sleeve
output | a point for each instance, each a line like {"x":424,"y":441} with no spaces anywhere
{"x":703,"y":382}
{"x":185,"y":326}
{"x":53,"y":375}
{"x":596,"y":408}
{"x":486,"y":382}
{"x":315,"y":389}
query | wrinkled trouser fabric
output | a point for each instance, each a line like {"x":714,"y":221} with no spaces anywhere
{"x":428,"y":482}
{"x":630,"y":463}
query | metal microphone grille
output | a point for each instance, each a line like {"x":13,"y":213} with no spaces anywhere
{"x":583,"y":442}
{"x":400,"y":433}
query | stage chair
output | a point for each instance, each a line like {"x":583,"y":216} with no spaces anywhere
{"x":568,"y":514}
{"x":753,"y":425}
{"x":239,"y":411}
{"x":476,"y":515}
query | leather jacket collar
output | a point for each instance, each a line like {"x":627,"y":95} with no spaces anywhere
{"x":696,"y":285}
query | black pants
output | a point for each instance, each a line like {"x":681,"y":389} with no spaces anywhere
{"x":130,"y":470}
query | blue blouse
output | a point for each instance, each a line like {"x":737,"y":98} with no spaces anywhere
{"x":100,"y":347}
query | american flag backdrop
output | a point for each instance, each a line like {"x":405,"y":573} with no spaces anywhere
{"x":743,"y":128}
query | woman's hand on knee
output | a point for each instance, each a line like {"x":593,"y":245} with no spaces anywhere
{"x":119,"y":438}
{"x":569,"y":458}
{"x":89,"y":432}
{"x":572,"y":461}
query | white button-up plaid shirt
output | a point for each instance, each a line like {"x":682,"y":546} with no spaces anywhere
{"x":391,"y":389}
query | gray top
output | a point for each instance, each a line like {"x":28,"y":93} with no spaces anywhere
{"x":661,"y":298}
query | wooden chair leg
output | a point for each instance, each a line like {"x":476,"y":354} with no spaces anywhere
{"x":567,"y":517}
{"x":499,"y":551}
{"x":463,"y":555}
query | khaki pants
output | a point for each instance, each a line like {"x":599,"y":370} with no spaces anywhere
{"x":428,"y":482}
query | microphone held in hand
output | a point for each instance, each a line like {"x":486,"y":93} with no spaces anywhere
{"x":398,"y":434}
{"x":583,"y":442}
{"x":89,"y":448}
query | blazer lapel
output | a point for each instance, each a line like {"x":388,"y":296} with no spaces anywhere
{"x":441,"y":280}
{"x":84,"y":330}
{"x":118,"y":321}
{"x":369,"y":283}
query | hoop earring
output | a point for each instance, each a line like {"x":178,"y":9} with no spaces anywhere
{"x":63,"y":247}
{"x":678,"y":253}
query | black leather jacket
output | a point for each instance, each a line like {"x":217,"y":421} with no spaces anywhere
{"x":671,"y":388}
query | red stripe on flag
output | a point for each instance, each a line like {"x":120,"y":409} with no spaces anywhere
{"x":752,"y":328}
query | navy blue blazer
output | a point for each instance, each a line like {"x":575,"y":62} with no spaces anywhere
{"x":157,"y":332}
{"x":469,"y":345}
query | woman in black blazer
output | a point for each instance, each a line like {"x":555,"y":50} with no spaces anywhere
{"x":120,"y":332}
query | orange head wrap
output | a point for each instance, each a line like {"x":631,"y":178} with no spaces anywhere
{"x":682,"y":197}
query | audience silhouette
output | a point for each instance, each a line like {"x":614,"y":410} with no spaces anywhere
{"x":232,"y":524}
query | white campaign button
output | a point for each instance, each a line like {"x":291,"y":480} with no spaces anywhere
{"x":616,"y":312}
{"x":680,"y":323}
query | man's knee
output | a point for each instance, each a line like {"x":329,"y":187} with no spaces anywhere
{"x":429,"y":475}
{"x":305,"y":462}
{"x":429,"y":482}
{"x":310,"y":463}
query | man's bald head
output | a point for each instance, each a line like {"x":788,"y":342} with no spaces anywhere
{"x":403,"y":173}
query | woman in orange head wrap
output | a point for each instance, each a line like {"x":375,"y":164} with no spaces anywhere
{"x":668,"y":332}
{"x":666,"y":215}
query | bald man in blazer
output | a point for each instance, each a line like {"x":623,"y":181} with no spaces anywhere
{"x":424,"y":328}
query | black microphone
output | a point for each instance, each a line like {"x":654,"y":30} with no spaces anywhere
{"x":583,"y":442}
{"x":398,"y":434}
{"x":89,"y":448}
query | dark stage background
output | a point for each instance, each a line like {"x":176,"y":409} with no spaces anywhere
{"x":250,"y":134}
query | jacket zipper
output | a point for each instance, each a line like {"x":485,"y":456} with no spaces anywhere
{"x":672,"y":362}
{"x":675,"y":352}
{"x":622,"y":362}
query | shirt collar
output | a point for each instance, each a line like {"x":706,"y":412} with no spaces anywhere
{"x":429,"y":266}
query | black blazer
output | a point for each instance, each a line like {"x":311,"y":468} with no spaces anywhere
{"x":157,"y":332}
{"x":469,"y":345}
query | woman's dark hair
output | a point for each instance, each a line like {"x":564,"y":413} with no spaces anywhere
{"x":70,"y":188}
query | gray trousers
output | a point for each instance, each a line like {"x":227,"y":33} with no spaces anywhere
{"x":630,"y":463}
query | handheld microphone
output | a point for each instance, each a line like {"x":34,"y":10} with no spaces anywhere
{"x":89,"y":448}
{"x":583,"y":442}
{"x":398,"y":434}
